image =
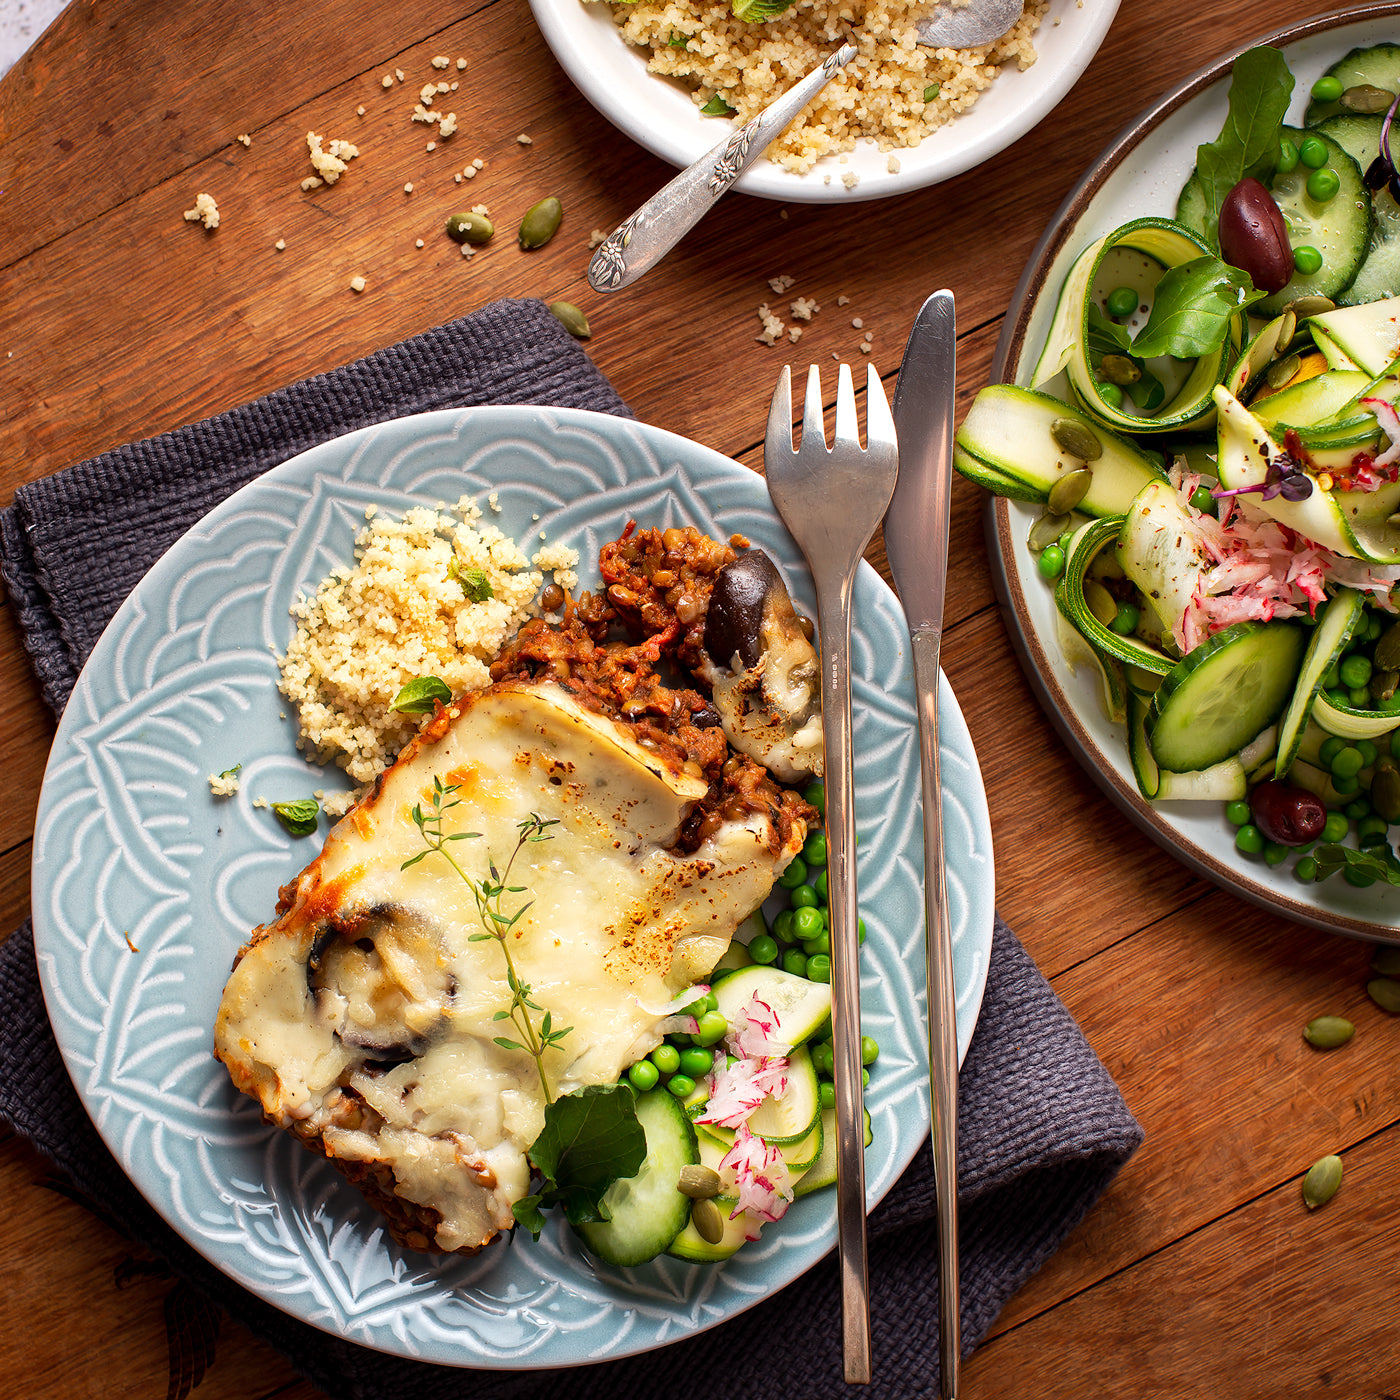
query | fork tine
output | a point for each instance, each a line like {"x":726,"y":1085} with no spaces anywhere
{"x":847,"y":424}
{"x":813,"y":431}
{"x":779,"y":436}
{"x":879,"y":421}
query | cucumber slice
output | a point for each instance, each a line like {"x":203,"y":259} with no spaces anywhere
{"x":1311,"y":401}
{"x":648,"y":1210}
{"x":1223,"y":693}
{"x":1329,"y":637}
{"x":1086,"y":544}
{"x":1007,"y":431}
{"x":1340,"y":228}
{"x":799,"y":1006}
{"x":1349,"y":723}
{"x":1377,"y":65}
{"x":822,"y":1172}
{"x":1379,"y":276}
{"x":786,"y":1123}
{"x":1369,"y":334}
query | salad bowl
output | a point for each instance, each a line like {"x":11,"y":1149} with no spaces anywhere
{"x":1139,"y":174}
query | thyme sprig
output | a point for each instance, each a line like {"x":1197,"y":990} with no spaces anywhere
{"x":496,"y":923}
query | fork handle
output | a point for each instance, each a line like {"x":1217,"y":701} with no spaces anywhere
{"x":834,"y":626}
{"x":942,"y":1012}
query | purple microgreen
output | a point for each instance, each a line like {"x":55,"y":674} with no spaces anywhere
{"x":1285,"y":477}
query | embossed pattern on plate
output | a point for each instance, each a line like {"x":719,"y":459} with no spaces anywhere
{"x":145,"y":885}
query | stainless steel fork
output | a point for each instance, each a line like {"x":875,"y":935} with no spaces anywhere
{"x":831,"y":499}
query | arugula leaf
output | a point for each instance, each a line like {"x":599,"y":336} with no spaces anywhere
{"x":1192,"y":307}
{"x":590,"y":1139}
{"x":1260,"y":88}
{"x":418,"y":696}
{"x":1104,"y":336}
{"x":1377,"y":862}
{"x":298,"y":817}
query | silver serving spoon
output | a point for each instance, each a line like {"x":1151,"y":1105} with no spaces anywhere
{"x":969,"y":26}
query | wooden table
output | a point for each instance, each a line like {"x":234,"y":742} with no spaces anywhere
{"x":1200,"y":1272}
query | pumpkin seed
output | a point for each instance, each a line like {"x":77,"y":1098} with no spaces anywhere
{"x":1386,"y":656}
{"x":1119,"y":369}
{"x":708,"y":1220}
{"x":1322,"y":1181}
{"x":1303,"y":307}
{"x":1393,"y":520}
{"x":1385,"y":992}
{"x":1281,"y":371}
{"x":1287,"y":331}
{"x":470,"y":227}
{"x":1385,"y":801}
{"x":575,"y":322}
{"x":1383,"y":686}
{"x":1075,"y":439}
{"x":1386,"y":960}
{"x":698,"y":1182}
{"x":1366,"y":97}
{"x":1328,"y":1032}
{"x":1046,"y":531}
{"x":1069,"y":490}
{"x":541,"y":223}
{"x":1100,"y":601}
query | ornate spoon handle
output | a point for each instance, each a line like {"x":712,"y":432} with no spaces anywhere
{"x":676,"y":208}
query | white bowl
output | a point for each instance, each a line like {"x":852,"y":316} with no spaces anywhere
{"x":657,"y":112}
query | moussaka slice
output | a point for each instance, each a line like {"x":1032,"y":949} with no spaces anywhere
{"x":368,"y":1018}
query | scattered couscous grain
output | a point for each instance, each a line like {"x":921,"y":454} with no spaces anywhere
{"x":525,"y":140}
{"x":329,"y":161}
{"x":224,"y":784}
{"x":441,"y":61}
{"x":388,"y":80}
{"x":781,"y":283}
{"x":804,"y":308}
{"x":595,"y":238}
{"x":401,"y":613}
{"x":280,"y":245}
{"x":879,"y":94}
{"x":358,"y":284}
{"x":205,"y":211}
{"x":772,"y":326}
{"x":245,"y":140}
{"x":448,"y":124}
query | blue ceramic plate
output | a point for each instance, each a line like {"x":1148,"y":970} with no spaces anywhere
{"x":145,"y":885}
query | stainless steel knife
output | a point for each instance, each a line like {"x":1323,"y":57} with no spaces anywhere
{"x":916,"y":540}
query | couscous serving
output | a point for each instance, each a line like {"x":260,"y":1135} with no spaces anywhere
{"x":894,"y":91}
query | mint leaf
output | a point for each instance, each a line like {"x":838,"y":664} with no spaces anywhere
{"x":717,"y":107}
{"x":1260,"y":88}
{"x":418,"y":697}
{"x":298,"y":817}
{"x":474,"y":582}
{"x":1192,"y":307}
{"x":590,"y":1139}
{"x":1379,"y":863}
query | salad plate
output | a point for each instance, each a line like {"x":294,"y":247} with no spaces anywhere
{"x":1141,"y":173}
{"x":657,"y":112}
{"x":145,"y":885}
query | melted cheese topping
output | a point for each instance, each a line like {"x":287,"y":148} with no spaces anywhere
{"x":374,"y":962}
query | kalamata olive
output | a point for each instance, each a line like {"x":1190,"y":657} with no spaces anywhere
{"x":1254,"y":237}
{"x":1287,"y":815}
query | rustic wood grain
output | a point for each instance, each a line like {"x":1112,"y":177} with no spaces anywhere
{"x":1200,"y":1271}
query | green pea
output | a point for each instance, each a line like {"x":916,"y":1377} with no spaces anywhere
{"x":815,"y":793}
{"x":666,"y":1058}
{"x":1111,"y":394}
{"x":819,"y":944}
{"x":1327,"y":89}
{"x":1274,"y":854}
{"x":1306,"y":870}
{"x":1125,"y":620}
{"x":697,"y":1062}
{"x":1359,"y":697}
{"x":865,"y":1078}
{"x":819,"y":968}
{"x":1369,"y":752}
{"x":1357,"y":808}
{"x":643,"y":1075}
{"x":1347,"y":762}
{"x":860,"y":930}
{"x":681,"y":1085}
{"x":1203,"y":501}
{"x":823,"y":1058}
{"x":1051,"y":563}
{"x":826,"y":1092}
{"x":820,"y":885}
{"x":1312,"y":152}
{"x":1335,"y":828}
{"x":795,"y":873}
{"x":1121,"y":301}
{"x":1323,"y":184}
{"x":712,"y":1025}
{"x":804,"y":897}
{"x":1249,"y":839}
{"x":1237,"y":813}
{"x":1346,"y":786}
{"x":1330,"y":748}
{"x":807,"y":923}
{"x":869,"y":1049}
{"x":782,"y":927}
{"x":814,"y":849}
{"x":1371,"y":831}
{"x":1355,"y":670}
{"x":1307,"y":259}
{"x":795,"y":962}
{"x":1287,"y":156}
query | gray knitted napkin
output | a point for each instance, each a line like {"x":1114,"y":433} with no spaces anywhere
{"x":1043,"y":1128}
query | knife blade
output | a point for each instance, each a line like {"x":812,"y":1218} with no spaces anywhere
{"x":916,"y":541}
